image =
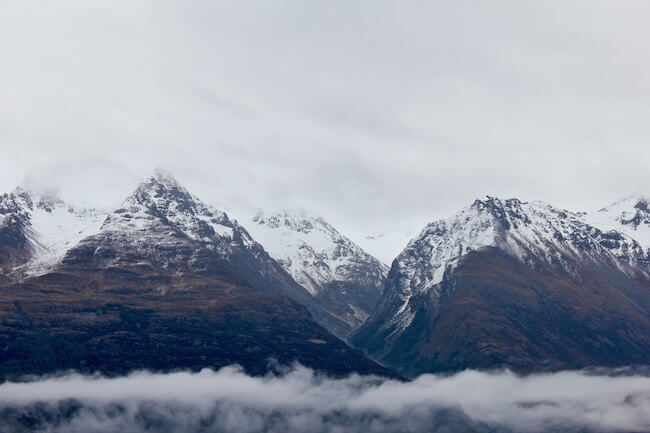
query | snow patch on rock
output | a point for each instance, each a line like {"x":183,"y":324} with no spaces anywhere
{"x":630,"y":216}
{"x":311,"y":250}
{"x":50,"y":225}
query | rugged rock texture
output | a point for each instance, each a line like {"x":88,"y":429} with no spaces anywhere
{"x":342,"y":277}
{"x":505,"y":283}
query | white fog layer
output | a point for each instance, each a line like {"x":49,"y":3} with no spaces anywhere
{"x":300,"y":400}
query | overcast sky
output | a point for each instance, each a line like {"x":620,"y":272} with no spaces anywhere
{"x":375,"y":114}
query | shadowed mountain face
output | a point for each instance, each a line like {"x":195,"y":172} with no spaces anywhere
{"x":512,"y":284}
{"x":13,"y":242}
{"x":120,"y":320}
{"x":163,"y":282}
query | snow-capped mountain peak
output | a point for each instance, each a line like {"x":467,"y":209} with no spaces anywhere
{"x":160,"y":191}
{"x":160,"y":199}
{"x":522,"y":283}
{"x":310,"y":249}
{"x":335,"y":271}
{"x":630,"y":216}
{"x":45,"y":226}
{"x":535,"y":233}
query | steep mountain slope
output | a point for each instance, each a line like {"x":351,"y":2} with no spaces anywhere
{"x":508,"y":283}
{"x":162,"y":226}
{"x":630,"y":216}
{"x":36,"y":230}
{"x":118,"y":322}
{"x":165,"y":282}
{"x":341,"y":276}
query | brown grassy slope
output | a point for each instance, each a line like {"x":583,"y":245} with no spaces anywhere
{"x":119,"y":320}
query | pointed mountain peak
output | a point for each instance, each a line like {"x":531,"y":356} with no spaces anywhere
{"x":160,"y":181}
{"x":513,"y":212}
{"x":487,"y":200}
{"x":491,"y":203}
{"x":529,"y":231}
{"x":164,"y":177}
{"x":21,"y":191}
{"x":31,"y":198}
{"x":161,"y":203}
{"x":161,"y":193}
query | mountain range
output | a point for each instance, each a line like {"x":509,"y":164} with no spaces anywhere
{"x":166,"y":281}
{"x":163,"y":281}
{"x":512,"y":284}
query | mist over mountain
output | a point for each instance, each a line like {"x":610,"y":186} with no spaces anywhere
{"x":297,"y":400}
{"x":383,"y":217}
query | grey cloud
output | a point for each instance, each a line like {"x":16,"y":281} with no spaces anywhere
{"x":299,"y":400}
{"x":420,"y":106}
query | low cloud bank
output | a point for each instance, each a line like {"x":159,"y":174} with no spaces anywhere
{"x":301,"y":401}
